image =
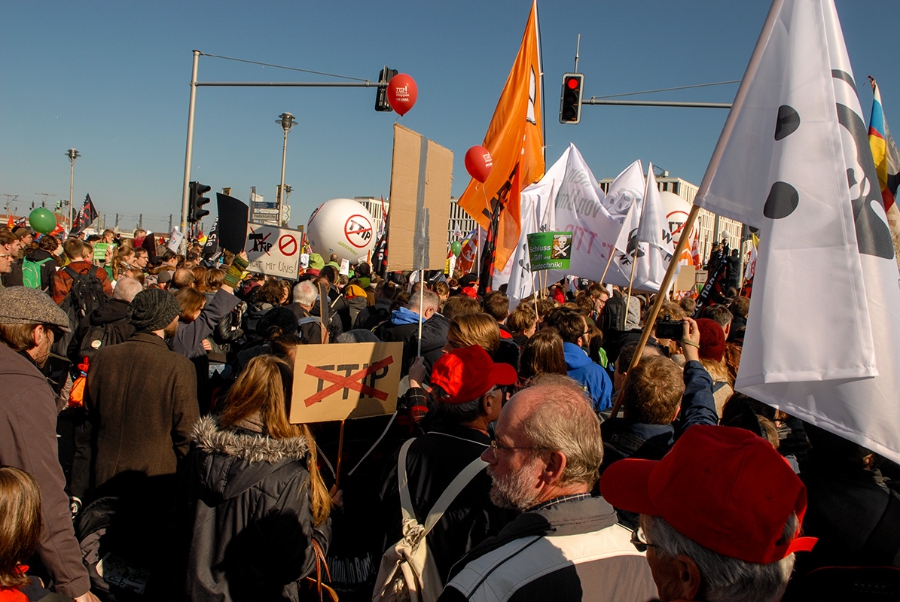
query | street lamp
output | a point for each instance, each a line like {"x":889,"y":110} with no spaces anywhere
{"x":72,"y":154}
{"x":287,"y":122}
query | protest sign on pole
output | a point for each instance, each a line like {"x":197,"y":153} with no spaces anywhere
{"x":273,"y":251}
{"x":550,"y":250}
{"x":175,"y":239}
{"x":341,"y":381}
{"x":421,"y":176}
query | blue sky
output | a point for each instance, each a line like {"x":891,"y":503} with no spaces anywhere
{"x":111,"y":79}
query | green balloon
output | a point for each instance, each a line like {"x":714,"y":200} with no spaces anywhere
{"x":42,"y":220}
{"x":455,"y":248}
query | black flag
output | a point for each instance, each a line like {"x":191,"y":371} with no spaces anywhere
{"x":85,"y":217}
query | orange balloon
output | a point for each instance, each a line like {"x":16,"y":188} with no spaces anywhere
{"x":402,"y":93}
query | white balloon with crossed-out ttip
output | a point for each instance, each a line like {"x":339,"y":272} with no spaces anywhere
{"x":341,"y":226}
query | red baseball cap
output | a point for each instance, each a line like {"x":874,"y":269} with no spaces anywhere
{"x":724,"y":488}
{"x":467,"y":373}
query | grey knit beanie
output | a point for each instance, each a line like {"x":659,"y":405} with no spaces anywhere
{"x":152,"y":309}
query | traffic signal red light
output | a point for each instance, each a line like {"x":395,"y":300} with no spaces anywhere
{"x":570,"y":98}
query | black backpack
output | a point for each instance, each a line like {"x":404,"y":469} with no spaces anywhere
{"x":613,"y":315}
{"x":98,"y":336}
{"x":85,"y":296}
{"x":377,"y":315}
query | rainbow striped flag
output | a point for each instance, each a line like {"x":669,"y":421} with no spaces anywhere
{"x":887,"y":165}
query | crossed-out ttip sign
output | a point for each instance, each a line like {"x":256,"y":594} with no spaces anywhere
{"x":273,"y":251}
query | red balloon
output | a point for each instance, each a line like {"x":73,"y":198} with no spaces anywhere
{"x":479,"y":163}
{"x":402,"y":93}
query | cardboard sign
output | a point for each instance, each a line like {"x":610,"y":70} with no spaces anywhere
{"x":421,"y":176}
{"x":340,"y":381}
{"x":550,"y":250}
{"x":273,"y":251}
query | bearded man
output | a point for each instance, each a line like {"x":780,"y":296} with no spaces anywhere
{"x":566,"y":545}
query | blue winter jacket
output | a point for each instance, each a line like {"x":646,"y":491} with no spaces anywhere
{"x":592,"y":376}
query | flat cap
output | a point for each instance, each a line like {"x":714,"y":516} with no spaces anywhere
{"x":24,"y":305}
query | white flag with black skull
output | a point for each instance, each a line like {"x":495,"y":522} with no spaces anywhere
{"x":794,"y":160}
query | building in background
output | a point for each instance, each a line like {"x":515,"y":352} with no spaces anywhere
{"x":711,"y":228}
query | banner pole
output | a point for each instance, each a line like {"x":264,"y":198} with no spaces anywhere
{"x":608,"y":263}
{"x":337,"y":471}
{"x":631,"y":280}
{"x":421,"y":309}
{"x":657,"y":304}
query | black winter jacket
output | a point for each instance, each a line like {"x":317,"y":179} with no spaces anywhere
{"x":253,"y":526}
{"x":433,"y":461}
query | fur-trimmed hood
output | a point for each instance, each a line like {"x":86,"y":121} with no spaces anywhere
{"x":233,"y":460}
{"x":252,"y":447}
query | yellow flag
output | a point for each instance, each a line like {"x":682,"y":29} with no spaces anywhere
{"x":516,"y":142}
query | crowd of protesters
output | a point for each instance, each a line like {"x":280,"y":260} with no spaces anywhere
{"x":146,"y":451}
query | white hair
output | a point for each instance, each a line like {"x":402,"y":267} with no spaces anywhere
{"x":431,"y":300}
{"x":726,"y":579}
{"x":127,"y":288}
{"x":305,"y":293}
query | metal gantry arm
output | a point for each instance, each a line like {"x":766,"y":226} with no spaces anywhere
{"x":188,"y":155}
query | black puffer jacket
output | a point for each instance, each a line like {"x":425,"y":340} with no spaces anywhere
{"x":253,"y":526}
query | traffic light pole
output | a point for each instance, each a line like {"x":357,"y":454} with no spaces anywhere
{"x":190,"y":128}
{"x":188,"y":153}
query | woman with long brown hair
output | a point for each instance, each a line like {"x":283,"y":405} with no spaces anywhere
{"x":542,"y":354}
{"x":20,"y":533}
{"x":260,"y":505}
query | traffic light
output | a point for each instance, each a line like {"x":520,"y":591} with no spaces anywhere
{"x":381,"y":99}
{"x":570,"y":98}
{"x":197,"y":212}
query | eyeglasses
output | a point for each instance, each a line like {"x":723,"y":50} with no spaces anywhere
{"x":639,"y":540}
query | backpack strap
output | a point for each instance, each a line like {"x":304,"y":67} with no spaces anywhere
{"x":446,"y":498}
{"x":72,"y":273}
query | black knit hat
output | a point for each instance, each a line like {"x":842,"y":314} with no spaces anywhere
{"x":277,"y":320}
{"x":152,"y":309}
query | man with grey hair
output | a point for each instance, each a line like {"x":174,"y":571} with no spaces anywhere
{"x":404,"y":327}
{"x":305,"y":295}
{"x":108,"y":324}
{"x":566,"y":545}
{"x":720,"y":515}
{"x":29,"y":320}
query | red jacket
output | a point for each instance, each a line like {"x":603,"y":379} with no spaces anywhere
{"x":62,"y":282}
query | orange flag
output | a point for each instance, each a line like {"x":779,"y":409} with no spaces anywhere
{"x":516,"y":142}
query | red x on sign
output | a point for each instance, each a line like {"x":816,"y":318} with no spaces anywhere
{"x":347,"y":382}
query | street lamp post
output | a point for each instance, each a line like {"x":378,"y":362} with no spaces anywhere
{"x":72,"y":154}
{"x":287,"y":122}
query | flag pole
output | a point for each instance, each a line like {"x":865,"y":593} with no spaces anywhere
{"x":608,"y":263}
{"x":657,"y":304}
{"x":631,"y":278}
